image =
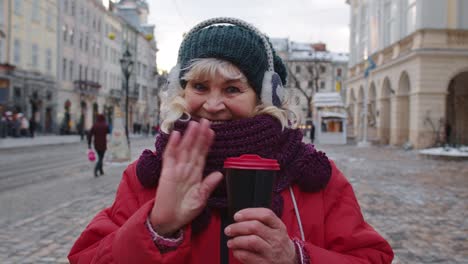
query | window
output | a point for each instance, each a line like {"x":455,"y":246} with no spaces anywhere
{"x":49,"y":60}
{"x":49,"y":18}
{"x":1,"y":51}
{"x":298,"y":69}
{"x":64,"y":69}
{"x":80,"y":73}
{"x":34,"y":55}
{"x":35,"y":10}
{"x":81,"y":40}
{"x":310,"y":84}
{"x":363,"y":29}
{"x":105,"y":78}
{"x":411,"y":16}
{"x":70,"y":75}
{"x":2,"y":12}
{"x":323,"y":69}
{"x":72,"y":11}
{"x":17,"y":6}
{"x":390,"y":24}
{"x":17,"y":52}
{"x":72,"y":36}
{"x":322,"y":85}
{"x":64,"y":30}
{"x":65,"y":6}
{"x":338,"y":72}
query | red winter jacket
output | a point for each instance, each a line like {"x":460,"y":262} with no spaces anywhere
{"x":334,"y":229}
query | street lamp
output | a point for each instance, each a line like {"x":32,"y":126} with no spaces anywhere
{"x":127,"y":67}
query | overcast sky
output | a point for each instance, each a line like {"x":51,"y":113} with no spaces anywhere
{"x":298,"y":20}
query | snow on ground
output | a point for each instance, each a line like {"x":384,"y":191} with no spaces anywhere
{"x":446,"y":151}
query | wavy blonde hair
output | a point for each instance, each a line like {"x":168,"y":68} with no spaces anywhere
{"x":210,"y":68}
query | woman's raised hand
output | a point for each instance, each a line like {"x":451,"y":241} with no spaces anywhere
{"x":182,"y":190}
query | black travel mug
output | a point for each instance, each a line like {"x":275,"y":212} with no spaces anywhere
{"x":249,"y":182}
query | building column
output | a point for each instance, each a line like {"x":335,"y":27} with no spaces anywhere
{"x":429,"y":115}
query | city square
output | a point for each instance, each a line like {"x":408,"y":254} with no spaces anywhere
{"x":380,"y":86}
{"x":414,"y":202}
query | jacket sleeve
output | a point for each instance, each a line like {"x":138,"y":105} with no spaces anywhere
{"x":348,"y":237}
{"x":119,"y":235}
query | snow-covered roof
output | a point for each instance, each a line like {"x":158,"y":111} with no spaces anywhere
{"x":319,"y":55}
{"x":305,"y":51}
{"x":298,"y":46}
{"x":327,"y":100}
{"x":280,"y":44}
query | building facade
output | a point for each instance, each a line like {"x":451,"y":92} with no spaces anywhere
{"x":417,"y":94}
{"x":28,"y":71}
{"x":311,"y":69}
{"x":80,"y":95}
{"x":140,"y":42}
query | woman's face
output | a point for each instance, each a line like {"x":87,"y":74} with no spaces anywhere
{"x":220,"y":99}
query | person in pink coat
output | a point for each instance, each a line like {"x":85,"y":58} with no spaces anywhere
{"x":225,"y":98}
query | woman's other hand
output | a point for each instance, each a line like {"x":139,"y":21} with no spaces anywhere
{"x":182,"y":191}
{"x":259,"y":236}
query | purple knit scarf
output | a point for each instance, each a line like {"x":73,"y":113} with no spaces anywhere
{"x":263,"y":135}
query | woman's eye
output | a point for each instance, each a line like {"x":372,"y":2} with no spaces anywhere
{"x":232,"y":89}
{"x":199,"y":87}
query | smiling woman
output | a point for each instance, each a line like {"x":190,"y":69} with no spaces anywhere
{"x":172,"y":206}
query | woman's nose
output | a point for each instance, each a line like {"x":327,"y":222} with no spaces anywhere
{"x":213,"y":104}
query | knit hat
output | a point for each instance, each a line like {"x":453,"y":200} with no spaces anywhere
{"x":240,"y":44}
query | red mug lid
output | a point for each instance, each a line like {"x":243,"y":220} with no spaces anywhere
{"x":251,"y":162}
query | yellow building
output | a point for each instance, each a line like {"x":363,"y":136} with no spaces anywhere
{"x":31,"y":57}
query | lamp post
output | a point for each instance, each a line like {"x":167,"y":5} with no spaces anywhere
{"x":127,"y":66}
{"x":369,"y":68}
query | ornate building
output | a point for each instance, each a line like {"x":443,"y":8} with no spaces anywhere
{"x":417,"y":94}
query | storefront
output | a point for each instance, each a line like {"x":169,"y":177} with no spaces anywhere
{"x":329,"y":119}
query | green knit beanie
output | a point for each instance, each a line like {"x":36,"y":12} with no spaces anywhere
{"x":232,"y":43}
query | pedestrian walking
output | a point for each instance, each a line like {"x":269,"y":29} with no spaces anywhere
{"x":226,"y":98}
{"x":24,"y":125}
{"x":32,"y":126}
{"x":99,"y":132}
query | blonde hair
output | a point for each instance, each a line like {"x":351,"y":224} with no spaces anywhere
{"x":209,"y":68}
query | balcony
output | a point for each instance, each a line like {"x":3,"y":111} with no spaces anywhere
{"x":116,"y":93}
{"x":86,"y":87}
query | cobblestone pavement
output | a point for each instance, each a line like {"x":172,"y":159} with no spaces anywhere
{"x":418,"y":204}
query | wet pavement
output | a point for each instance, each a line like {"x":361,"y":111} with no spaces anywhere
{"x":418,"y":204}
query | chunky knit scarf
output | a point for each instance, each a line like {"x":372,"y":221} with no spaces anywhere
{"x":263,"y":135}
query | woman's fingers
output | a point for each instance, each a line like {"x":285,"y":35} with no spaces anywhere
{"x":170,"y":152}
{"x":264,"y":215}
{"x":186,"y":143}
{"x":247,"y":228}
{"x":251,"y":243}
{"x":209,"y":183}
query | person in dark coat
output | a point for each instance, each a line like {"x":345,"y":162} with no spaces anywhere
{"x":99,"y":132}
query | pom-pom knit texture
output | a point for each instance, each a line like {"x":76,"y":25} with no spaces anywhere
{"x":263,"y":135}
